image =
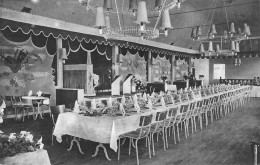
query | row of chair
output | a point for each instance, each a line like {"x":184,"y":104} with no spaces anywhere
{"x":187,"y":115}
{"x":24,"y":107}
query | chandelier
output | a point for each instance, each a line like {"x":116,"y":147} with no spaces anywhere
{"x":140,"y":11}
{"x":227,"y":43}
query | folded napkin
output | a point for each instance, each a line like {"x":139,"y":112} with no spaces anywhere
{"x":150,"y":105}
{"x":123,"y":100}
{"x":145,"y":97}
{"x":162,"y":101}
{"x":135,"y":98}
{"x":110,"y":102}
{"x":30,"y":93}
{"x":76,"y":107}
{"x":122,"y":109}
{"x":137,"y":107}
{"x":93,"y":104}
{"x":39,"y":93}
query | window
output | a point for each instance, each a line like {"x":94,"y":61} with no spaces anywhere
{"x":219,"y":71}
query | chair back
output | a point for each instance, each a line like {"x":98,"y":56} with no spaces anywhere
{"x":172,"y":111}
{"x":46,"y":95}
{"x":17,"y":100}
{"x":145,"y":124}
{"x":9,"y":101}
{"x":55,"y":111}
{"x":145,"y":120}
{"x":184,"y":108}
{"x":160,"y":116}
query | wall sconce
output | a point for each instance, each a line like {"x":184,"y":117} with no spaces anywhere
{"x":120,"y":59}
{"x":63,"y":54}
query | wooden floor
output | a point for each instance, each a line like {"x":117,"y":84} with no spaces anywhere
{"x":226,"y":141}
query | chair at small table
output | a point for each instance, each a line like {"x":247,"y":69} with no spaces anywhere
{"x":10,"y":107}
{"x":24,"y":105}
{"x":142,"y":132}
{"x":45,"y":106}
{"x":55,"y":111}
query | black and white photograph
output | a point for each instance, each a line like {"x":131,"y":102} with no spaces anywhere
{"x":125,"y":82}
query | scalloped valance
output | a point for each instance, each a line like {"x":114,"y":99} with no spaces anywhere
{"x":91,"y":40}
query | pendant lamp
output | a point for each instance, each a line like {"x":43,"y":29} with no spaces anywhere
{"x":213,"y":30}
{"x":194,"y":33}
{"x":165,"y":22}
{"x":233,"y":46}
{"x":108,"y":5}
{"x":217,"y":49}
{"x":158,"y":4}
{"x":232,"y":28}
{"x":237,"y":47}
{"x":142,"y":13}
{"x":199,"y":33}
{"x":133,"y":6}
{"x":210,"y":46}
{"x":100,"y":19}
{"x":202,"y":50}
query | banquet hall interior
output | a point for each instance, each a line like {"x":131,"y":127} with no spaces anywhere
{"x":130,"y":82}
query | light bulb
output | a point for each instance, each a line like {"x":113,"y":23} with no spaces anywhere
{"x":142,"y":26}
{"x":100,"y":30}
{"x":63,"y":61}
{"x":179,"y":4}
{"x":166,"y":32}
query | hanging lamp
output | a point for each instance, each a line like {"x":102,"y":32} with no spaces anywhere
{"x":133,"y":6}
{"x":107,"y":5}
{"x":100,"y":19}
{"x":158,"y":4}
{"x":166,"y":22}
{"x":142,"y":18}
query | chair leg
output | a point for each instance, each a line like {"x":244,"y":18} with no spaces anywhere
{"x":149,"y":145}
{"x":153,"y":144}
{"x":130,"y":143}
{"x":166,"y":137}
{"x":178,"y":132}
{"x":173,"y":129}
{"x":136,"y":148}
{"x":118,"y":152}
{"x":164,"y":146}
{"x":194,"y":120}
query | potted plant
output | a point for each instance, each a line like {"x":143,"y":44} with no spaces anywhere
{"x":22,"y":149}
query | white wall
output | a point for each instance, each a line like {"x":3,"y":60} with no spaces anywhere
{"x":201,"y":68}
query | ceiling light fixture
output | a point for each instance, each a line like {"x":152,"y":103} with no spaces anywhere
{"x":139,"y":10}
{"x":226,"y":44}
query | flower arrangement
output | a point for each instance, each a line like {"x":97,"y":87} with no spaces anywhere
{"x":22,"y":143}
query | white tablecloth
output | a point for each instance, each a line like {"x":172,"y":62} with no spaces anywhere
{"x":255,"y":91}
{"x":103,"y":129}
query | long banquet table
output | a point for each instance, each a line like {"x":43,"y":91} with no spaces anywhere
{"x":106,"y":129}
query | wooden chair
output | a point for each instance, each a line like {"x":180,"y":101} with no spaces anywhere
{"x":55,"y":111}
{"x":142,"y":132}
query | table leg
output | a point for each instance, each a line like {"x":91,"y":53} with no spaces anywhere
{"x":71,"y":145}
{"x":38,"y":112}
{"x":105,"y":151}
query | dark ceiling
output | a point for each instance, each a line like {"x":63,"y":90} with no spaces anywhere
{"x":191,"y":14}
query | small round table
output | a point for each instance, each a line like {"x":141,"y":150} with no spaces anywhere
{"x":38,"y":103}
